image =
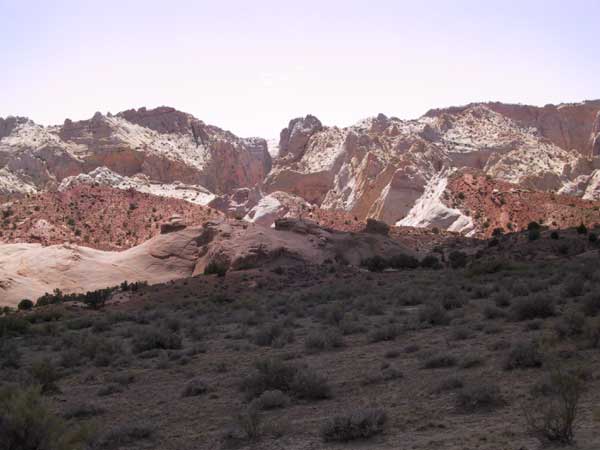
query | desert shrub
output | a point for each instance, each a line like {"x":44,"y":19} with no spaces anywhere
{"x":593,"y":238}
{"x":308,"y":384}
{"x":533,"y":235}
{"x":461,"y":333}
{"x":97,"y":299}
{"x":452,"y":300}
{"x":434,"y":314}
{"x":269,"y":374}
{"x":375,"y":264}
{"x":491,"y":313}
{"x":574,"y":286}
{"x":10,"y":356}
{"x":439,"y":362}
{"x":524,"y":355}
{"x":470,"y":361}
{"x":194,"y":387}
{"x":502,"y":299}
{"x":153,"y":338}
{"x":552,"y":417}
{"x":451,"y":383}
{"x":266,"y":335}
{"x":110,"y":389}
{"x":71,"y":357}
{"x":25,"y":305}
{"x":216,"y":268}
{"x":533,"y":226}
{"x":359,"y":424}
{"x":26,"y":423}
{"x":590,"y":304}
{"x":591,"y":333}
{"x":457,"y":259}
{"x":487,"y":266}
{"x":554,"y":235}
{"x":582,"y":229}
{"x":570,"y":325}
{"x":82,"y":411}
{"x":50,"y":298}
{"x":124,"y":436}
{"x":391,"y":354}
{"x":318,"y":341}
{"x":479,"y":397}
{"x":403,"y":262}
{"x":273,"y":374}
{"x":272,"y":400}
{"x":13,"y":326}
{"x":387,"y":332}
{"x":101,"y":325}
{"x":431,"y":262}
{"x":43,"y":372}
{"x":79,"y":323}
{"x":351,"y":325}
{"x":249,"y":420}
{"x":533,"y":307}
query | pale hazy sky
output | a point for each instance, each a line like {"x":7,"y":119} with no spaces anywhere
{"x":250,"y":66}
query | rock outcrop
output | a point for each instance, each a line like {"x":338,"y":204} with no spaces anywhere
{"x":395,"y":170}
{"x":165,"y":145}
{"x":30,"y":270}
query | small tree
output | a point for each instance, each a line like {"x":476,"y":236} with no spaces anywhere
{"x":25,"y":305}
{"x":582,"y":229}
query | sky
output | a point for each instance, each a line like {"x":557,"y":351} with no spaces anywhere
{"x":251,"y":66}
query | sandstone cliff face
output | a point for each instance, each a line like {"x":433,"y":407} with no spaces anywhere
{"x":568,"y":126}
{"x":164,"y":144}
{"x":386,"y":167}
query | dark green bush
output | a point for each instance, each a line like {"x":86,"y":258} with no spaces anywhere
{"x":25,"y":305}
{"x":533,"y":307}
{"x":457,"y":259}
{"x":403,"y":262}
{"x":375,"y":264}
{"x":216,"y":268}
{"x":582,"y":229}
{"x":153,"y":338}
{"x":431,"y":262}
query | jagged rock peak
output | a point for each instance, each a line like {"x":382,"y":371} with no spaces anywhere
{"x":163,"y":119}
{"x":10,"y":123}
{"x":293,"y":139}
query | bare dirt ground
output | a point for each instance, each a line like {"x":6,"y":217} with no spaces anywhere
{"x":454,"y":358}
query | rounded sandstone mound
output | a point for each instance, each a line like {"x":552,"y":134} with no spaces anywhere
{"x":30,"y":270}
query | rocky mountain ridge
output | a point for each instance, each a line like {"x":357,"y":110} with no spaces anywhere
{"x":393,"y":170}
